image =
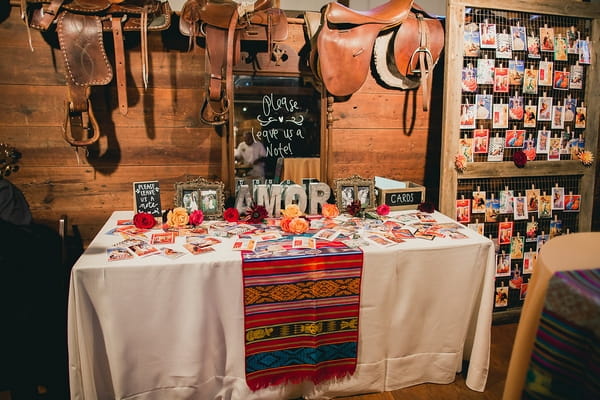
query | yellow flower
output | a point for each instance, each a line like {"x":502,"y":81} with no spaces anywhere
{"x":586,"y":157}
{"x":291,"y":211}
{"x":178,"y":217}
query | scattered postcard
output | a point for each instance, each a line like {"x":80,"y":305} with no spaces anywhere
{"x":118,"y":253}
{"x":195,"y":249}
{"x":124,"y":222}
{"x":143,"y":249}
{"x":170,"y":253}
{"x":380,"y":240}
{"x":303,"y":242}
{"x":326,"y":234}
{"x":244,"y":245}
{"x":267,"y":235}
{"x":162,"y":238}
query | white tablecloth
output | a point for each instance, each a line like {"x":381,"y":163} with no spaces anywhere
{"x":154,"y":328}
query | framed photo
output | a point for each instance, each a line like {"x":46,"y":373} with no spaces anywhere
{"x":200,"y":194}
{"x":355,"y":188}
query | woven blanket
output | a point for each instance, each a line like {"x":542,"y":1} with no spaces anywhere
{"x":301,"y":314}
{"x":565,"y":361}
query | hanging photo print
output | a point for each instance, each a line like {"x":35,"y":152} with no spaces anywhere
{"x":484,"y":106}
{"x":480,"y":140}
{"x":492,"y":209}
{"x":572,"y":38}
{"x":533,"y":47}
{"x":514,"y":138}
{"x":547,"y":38}
{"x":520,"y":208}
{"x":465,"y":148}
{"x":501,"y":80}
{"x":478,"y":203}
{"x":529,"y":117}
{"x":530,"y":81}
{"x":558,"y":198}
{"x":533,"y":199}
{"x":517,"y":34}
{"x":469,"y":79}
{"x":560,"y":48}
{"x":515,"y":107}
{"x":487,"y":35}
{"x":583,"y":49}
{"x":516,"y":71}
{"x":576,"y":81}
{"x":572,"y":202}
{"x":471,"y":41}
{"x":544,"y":109}
{"x":496,"y":149}
{"x":500,"y":116}
{"x":505,"y":229}
{"x":503,"y":264}
{"x":558,"y":117}
{"x":545,"y":73}
{"x":503,"y":47}
{"x":485,"y":71}
{"x":561,"y":80}
{"x":545,"y":207}
{"x":463,"y":210}
{"x":570,"y":109}
{"x":580,"y":117}
{"x":543,"y":144}
{"x":506,"y":201}
{"x":554,"y":149}
{"x":529,"y":148}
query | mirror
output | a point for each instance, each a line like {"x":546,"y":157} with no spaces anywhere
{"x":275,"y":118}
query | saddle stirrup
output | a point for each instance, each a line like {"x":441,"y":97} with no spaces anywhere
{"x":75,"y":126}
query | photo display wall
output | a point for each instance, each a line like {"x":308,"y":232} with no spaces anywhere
{"x":523,"y":84}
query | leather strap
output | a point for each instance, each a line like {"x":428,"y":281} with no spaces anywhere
{"x":42,"y":18}
{"x":144,"y":45}
{"x":117,"y":31}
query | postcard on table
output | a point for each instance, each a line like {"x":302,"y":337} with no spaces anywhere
{"x":143,"y":249}
{"x":380,"y":240}
{"x":118,"y":253}
{"x":162,"y":238}
{"x":244,"y":244}
{"x":170,"y":253}
{"x":327,"y":234}
{"x":301,"y":242}
{"x":195,"y":249}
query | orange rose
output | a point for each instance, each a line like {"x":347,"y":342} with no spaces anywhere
{"x":285,"y":224}
{"x":178,"y":217}
{"x":298,"y":225}
{"x":291,"y":211}
{"x":330,"y":210}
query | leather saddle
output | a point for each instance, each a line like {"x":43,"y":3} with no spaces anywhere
{"x":345,"y":40}
{"x":406,"y":56}
{"x":224,"y":24}
{"x":80,"y":25}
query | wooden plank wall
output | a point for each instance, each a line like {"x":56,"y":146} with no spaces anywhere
{"x":162,"y":137}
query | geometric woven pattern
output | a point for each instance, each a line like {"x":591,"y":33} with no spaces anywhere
{"x":301,"y":315}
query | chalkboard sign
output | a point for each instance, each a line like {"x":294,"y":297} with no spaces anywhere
{"x":146,"y":198}
{"x":399,"y":195}
{"x":281,"y":114}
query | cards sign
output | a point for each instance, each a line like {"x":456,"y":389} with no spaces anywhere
{"x":146,"y":197}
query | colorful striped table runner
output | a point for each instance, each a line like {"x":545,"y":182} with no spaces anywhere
{"x":301,"y":314}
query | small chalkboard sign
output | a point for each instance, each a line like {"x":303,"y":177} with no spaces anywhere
{"x":146,"y":197}
{"x":399,"y":195}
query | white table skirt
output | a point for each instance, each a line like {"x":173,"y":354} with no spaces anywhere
{"x":155,"y":328}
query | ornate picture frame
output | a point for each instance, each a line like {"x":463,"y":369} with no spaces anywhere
{"x":201,"y":194}
{"x":353,"y":188}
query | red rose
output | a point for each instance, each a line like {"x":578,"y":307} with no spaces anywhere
{"x":231,"y":215}
{"x":520,"y":158}
{"x":196,"y":217}
{"x":383,"y":209}
{"x":144,"y":220}
{"x":353,"y":208}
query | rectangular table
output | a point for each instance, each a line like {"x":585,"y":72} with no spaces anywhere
{"x":155,"y":328}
